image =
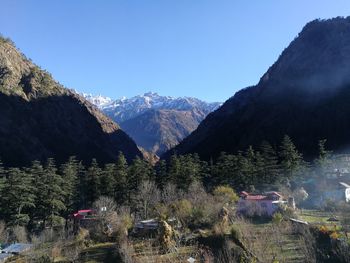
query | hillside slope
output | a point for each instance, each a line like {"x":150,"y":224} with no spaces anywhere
{"x":155,"y":122}
{"x":160,"y":130}
{"x":305,"y":94}
{"x":40,"y":119}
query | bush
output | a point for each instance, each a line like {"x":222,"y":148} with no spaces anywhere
{"x":235,"y":233}
{"x":225,"y":194}
{"x":183,"y":210}
{"x":277,"y":218}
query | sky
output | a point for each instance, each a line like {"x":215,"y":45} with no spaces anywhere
{"x":207,"y":49}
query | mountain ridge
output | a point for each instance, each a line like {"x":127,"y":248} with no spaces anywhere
{"x":155,"y":122}
{"x":42,"y":119}
{"x":297,"y":96}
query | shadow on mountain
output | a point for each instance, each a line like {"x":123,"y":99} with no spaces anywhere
{"x":57,"y":127}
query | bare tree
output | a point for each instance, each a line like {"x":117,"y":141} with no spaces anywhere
{"x":3,"y":232}
{"x":171,"y":194}
{"x":148,"y":196}
{"x":19,"y":234}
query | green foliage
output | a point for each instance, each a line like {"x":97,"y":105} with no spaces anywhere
{"x":17,"y":197}
{"x":93,"y":182}
{"x":121,"y":179}
{"x":182,"y":210}
{"x":291,"y":159}
{"x":70,"y":184}
{"x":323,"y":161}
{"x":225,"y":194}
{"x":42,"y":195}
{"x":277,"y":218}
{"x":49,"y":202}
{"x":235,"y":233}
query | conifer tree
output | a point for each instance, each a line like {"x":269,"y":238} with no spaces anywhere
{"x":17,"y":197}
{"x":162,"y":174}
{"x":249,"y":167}
{"x":93,"y":182}
{"x":323,"y":161}
{"x":291,"y":159}
{"x":70,"y":182}
{"x":108,"y":180}
{"x":121,"y":180}
{"x":174,"y":169}
{"x":270,"y":167}
{"x":50,"y":196}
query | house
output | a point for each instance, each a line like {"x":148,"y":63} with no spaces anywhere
{"x":81,"y":218}
{"x":329,"y":190}
{"x":337,"y":193}
{"x":84,"y":214}
{"x":259,"y":204}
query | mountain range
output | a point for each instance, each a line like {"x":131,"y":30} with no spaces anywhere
{"x":304,"y":94}
{"x":156,"y":123}
{"x":41,"y":119}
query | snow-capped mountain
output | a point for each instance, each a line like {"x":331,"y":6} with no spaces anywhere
{"x":99,"y":100}
{"x":155,"y":122}
{"x":124,"y":109}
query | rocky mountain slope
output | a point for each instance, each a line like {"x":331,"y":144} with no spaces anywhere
{"x":40,"y":119}
{"x":305,"y":94}
{"x":155,"y":122}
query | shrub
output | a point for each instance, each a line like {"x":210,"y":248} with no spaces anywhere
{"x":277,"y":218}
{"x":183,"y":210}
{"x":334,"y":235}
{"x":235,"y":233}
{"x":225,"y":194}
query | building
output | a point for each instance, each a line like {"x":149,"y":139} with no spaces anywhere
{"x":336,"y":193}
{"x":84,"y":214}
{"x":265,"y":204}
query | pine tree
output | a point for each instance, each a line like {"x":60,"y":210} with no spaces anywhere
{"x":291,"y":159}
{"x":93,"y":182}
{"x":136,"y":174}
{"x":270,"y":167}
{"x":227,"y":170}
{"x":323,"y":162}
{"x":70,"y":187}
{"x":17,"y":197}
{"x":249,"y":167}
{"x":162,"y":174}
{"x":121,"y":180}
{"x":108,"y":180}
{"x":50,"y":196}
{"x":190,"y":170}
{"x":174,"y":169}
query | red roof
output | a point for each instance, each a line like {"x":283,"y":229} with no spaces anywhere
{"x":85,"y":211}
{"x":82,"y":213}
{"x":256,"y":197}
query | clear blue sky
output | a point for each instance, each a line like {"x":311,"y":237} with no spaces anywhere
{"x":200,"y":48}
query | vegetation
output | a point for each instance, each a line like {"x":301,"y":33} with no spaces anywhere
{"x":201,"y":197}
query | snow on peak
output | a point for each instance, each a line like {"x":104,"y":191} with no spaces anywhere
{"x":126,"y":108}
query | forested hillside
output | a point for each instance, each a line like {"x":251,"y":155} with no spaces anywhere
{"x":40,"y":118}
{"x":304,"y":94}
